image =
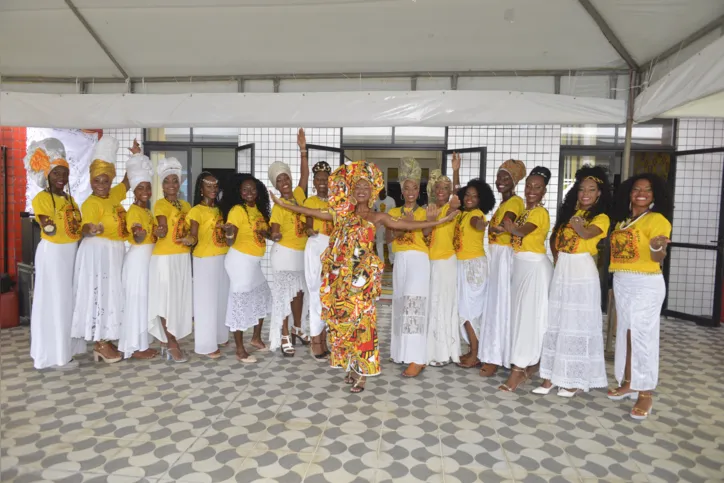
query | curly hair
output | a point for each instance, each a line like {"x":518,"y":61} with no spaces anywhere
{"x":232,"y":195}
{"x":198,"y":197}
{"x":570,"y":202}
{"x":622,"y":199}
{"x":486,"y":198}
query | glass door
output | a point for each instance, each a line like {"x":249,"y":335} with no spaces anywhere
{"x":472,"y":163}
{"x":245,"y":158}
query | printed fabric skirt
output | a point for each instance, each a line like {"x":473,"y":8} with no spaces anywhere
{"x":98,"y":290}
{"x":52,"y":312}
{"x":288,"y":266}
{"x":639,"y":298}
{"x":134,"y":333}
{"x":495,"y":333}
{"x":573,"y":344}
{"x":443,"y":334}
{"x":532,"y":274}
{"x":249,"y":296}
{"x":313,"y":274}
{"x":211,"y":295}
{"x":410,"y":290}
{"x":170,"y":295}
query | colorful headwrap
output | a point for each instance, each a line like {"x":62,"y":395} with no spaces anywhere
{"x":436,"y":177}
{"x":168,"y":167}
{"x":277,"y":168}
{"x":343,"y":180}
{"x":42,"y":157}
{"x":321,"y":167}
{"x":139,"y":170}
{"x":104,"y":157}
{"x":515,"y":168}
{"x":410,"y":170}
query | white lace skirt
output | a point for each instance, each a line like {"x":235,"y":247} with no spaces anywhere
{"x":98,"y":290}
{"x":134,"y":332}
{"x":52,"y":312}
{"x":289,"y":280}
{"x":532,"y":274}
{"x":573,"y":344}
{"x":443,"y":334}
{"x":410,"y":290}
{"x":639,"y":299}
{"x":495,"y":334}
{"x":249,"y":296}
{"x":211,"y":294}
{"x":170,"y":295}
{"x":313,"y":274}
{"x":472,"y":286}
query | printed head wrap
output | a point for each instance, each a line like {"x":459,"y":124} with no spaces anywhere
{"x":139,"y":170}
{"x":343,"y":180}
{"x":436,"y":177}
{"x":321,"y":167}
{"x":410,"y":170}
{"x":515,"y":168}
{"x":42,"y":157}
{"x":167,"y":167}
{"x":277,"y":168}
{"x":104,"y":157}
{"x":543,"y":172}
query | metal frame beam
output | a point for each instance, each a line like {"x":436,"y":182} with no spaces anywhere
{"x":95,"y":36}
{"x":609,"y":34}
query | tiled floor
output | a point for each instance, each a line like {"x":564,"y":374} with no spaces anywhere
{"x":291,"y":419}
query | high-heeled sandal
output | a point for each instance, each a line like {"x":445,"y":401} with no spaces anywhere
{"x":639,"y":414}
{"x":287,"y":347}
{"x":163,"y":350}
{"x":319,"y":357}
{"x":298,"y":333}
{"x":618,"y":394}
{"x":506,"y":388}
{"x":104,"y":351}
{"x":170,"y":356}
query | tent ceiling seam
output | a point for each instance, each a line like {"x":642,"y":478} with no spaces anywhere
{"x":609,"y":34}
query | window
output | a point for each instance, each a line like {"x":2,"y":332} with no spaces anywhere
{"x":656,"y":132}
{"x":403,"y":135}
{"x":197,"y":134}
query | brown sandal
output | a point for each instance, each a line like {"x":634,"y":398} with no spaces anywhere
{"x":414,"y":370}
{"x":147,"y":354}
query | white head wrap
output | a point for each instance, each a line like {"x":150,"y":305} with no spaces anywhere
{"x":139,"y":170}
{"x":167,"y":167}
{"x":277,"y":168}
{"x":106,"y":149}
{"x":42,"y":157}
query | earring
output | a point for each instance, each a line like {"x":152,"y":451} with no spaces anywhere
{"x":629,"y":207}
{"x":353,"y":200}
{"x":578,"y":205}
{"x":371,"y":203}
{"x":651,"y":206}
{"x":314,"y":190}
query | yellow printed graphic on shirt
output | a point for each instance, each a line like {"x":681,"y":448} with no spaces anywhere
{"x":630,"y":250}
{"x":250,"y":225}
{"x":409,"y":240}
{"x":568,"y":241}
{"x":109,"y":212}
{"x":211,"y":238}
{"x":178,"y":227}
{"x":534,"y":241}
{"x":513,"y":205}
{"x":65,"y":215}
{"x":292,"y":226}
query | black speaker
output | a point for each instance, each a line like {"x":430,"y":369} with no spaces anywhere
{"x":30,"y":237}
{"x":26,"y":286}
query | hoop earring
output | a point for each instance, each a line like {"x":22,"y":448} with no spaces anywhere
{"x":353,"y":200}
{"x":371,"y":203}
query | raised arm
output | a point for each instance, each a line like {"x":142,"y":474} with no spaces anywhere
{"x":302,"y":210}
{"x":456,"y":171}
{"x":304,"y":166}
{"x":136,"y":149}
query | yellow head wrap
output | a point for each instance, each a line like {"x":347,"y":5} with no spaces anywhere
{"x":410,"y":170}
{"x":515,"y":168}
{"x":99,"y":167}
{"x":436,"y":177}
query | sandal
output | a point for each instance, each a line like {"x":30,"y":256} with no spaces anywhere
{"x":287,"y":347}
{"x":147,"y":354}
{"x":488,"y":370}
{"x":263,"y":347}
{"x":464,"y":365}
{"x":415,"y":370}
{"x":298,"y":333}
{"x":321,"y":356}
{"x":618,"y":394}
{"x":640,"y":414}
{"x":247,"y":360}
{"x":214,"y":355}
{"x":107,"y":352}
{"x":171,"y":357}
{"x":359,"y":385}
{"x":349,"y":378}
{"x":506,"y":388}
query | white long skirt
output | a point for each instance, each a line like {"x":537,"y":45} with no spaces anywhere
{"x":170,"y":295}
{"x":134,"y":332}
{"x":472,"y":287}
{"x":573,"y":344}
{"x":249,"y":296}
{"x":639,"y":298}
{"x":288,"y":266}
{"x":410,"y":290}
{"x":98,"y":290}
{"x":495,"y":334}
{"x":211,"y":295}
{"x":313,"y":274}
{"x":443,"y":335}
{"x":52,"y":313}
{"x":532,"y":274}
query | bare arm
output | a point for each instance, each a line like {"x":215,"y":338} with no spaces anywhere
{"x":478,"y":223}
{"x":139,"y":234}
{"x":411,"y":225}
{"x":162,"y":229}
{"x":456,"y":170}
{"x":276,"y":232}
{"x":520,"y":231}
{"x":230,"y":232}
{"x":309,"y":226}
{"x":44,"y":221}
{"x":302,"y":210}
{"x":585,"y":232}
{"x":509,"y":215}
{"x":657,"y":247}
{"x":304,"y":167}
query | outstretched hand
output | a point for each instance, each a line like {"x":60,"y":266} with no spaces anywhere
{"x":136,"y":149}
{"x":432,"y":212}
{"x":450,"y":216}
{"x":659,"y":242}
{"x":508,"y":225}
{"x":455,"y":203}
{"x":456,"y":162}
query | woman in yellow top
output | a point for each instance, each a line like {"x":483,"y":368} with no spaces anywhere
{"x":318,"y":232}
{"x":211,"y":284}
{"x":288,"y":231}
{"x":572,"y":358}
{"x":97,"y":285}
{"x":410,"y":277}
{"x":141,"y":227}
{"x":495,"y":334}
{"x":638,"y":246}
{"x":532,"y":271}
{"x":246,"y":209}
{"x":468,"y":238}
{"x":59,"y":217}
{"x":352,"y":271}
{"x":170,"y":293}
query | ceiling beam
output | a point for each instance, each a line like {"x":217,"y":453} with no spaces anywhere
{"x":604,"y":71}
{"x":95,"y":36}
{"x":702,"y":32}
{"x":608,"y":33}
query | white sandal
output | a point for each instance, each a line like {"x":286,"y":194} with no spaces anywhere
{"x":287,"y":347}
{"x":298,"y":333}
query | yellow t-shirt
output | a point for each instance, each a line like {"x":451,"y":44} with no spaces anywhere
{"x":178,"y":227}
{"x":535,"y":241}
{"x":441,"y":239}
{"x":211,"y":237}
{"x":141,"y":216}
{"x":291,"y":225}
{"x":568,"y":241}
{"x":467,"y":240}
{"x":320,"y":226}
{"x":249,"y":221}
{"x":514,"y":205}
{"x":65,"y":215}
{"x":109,"y":212}
{"x":630,"y":250}
{"x":410,"y":240}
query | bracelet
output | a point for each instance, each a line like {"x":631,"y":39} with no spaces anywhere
{"x":229,"y":237}
{"x":655,"y":249}
{"x":303,"y":151}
